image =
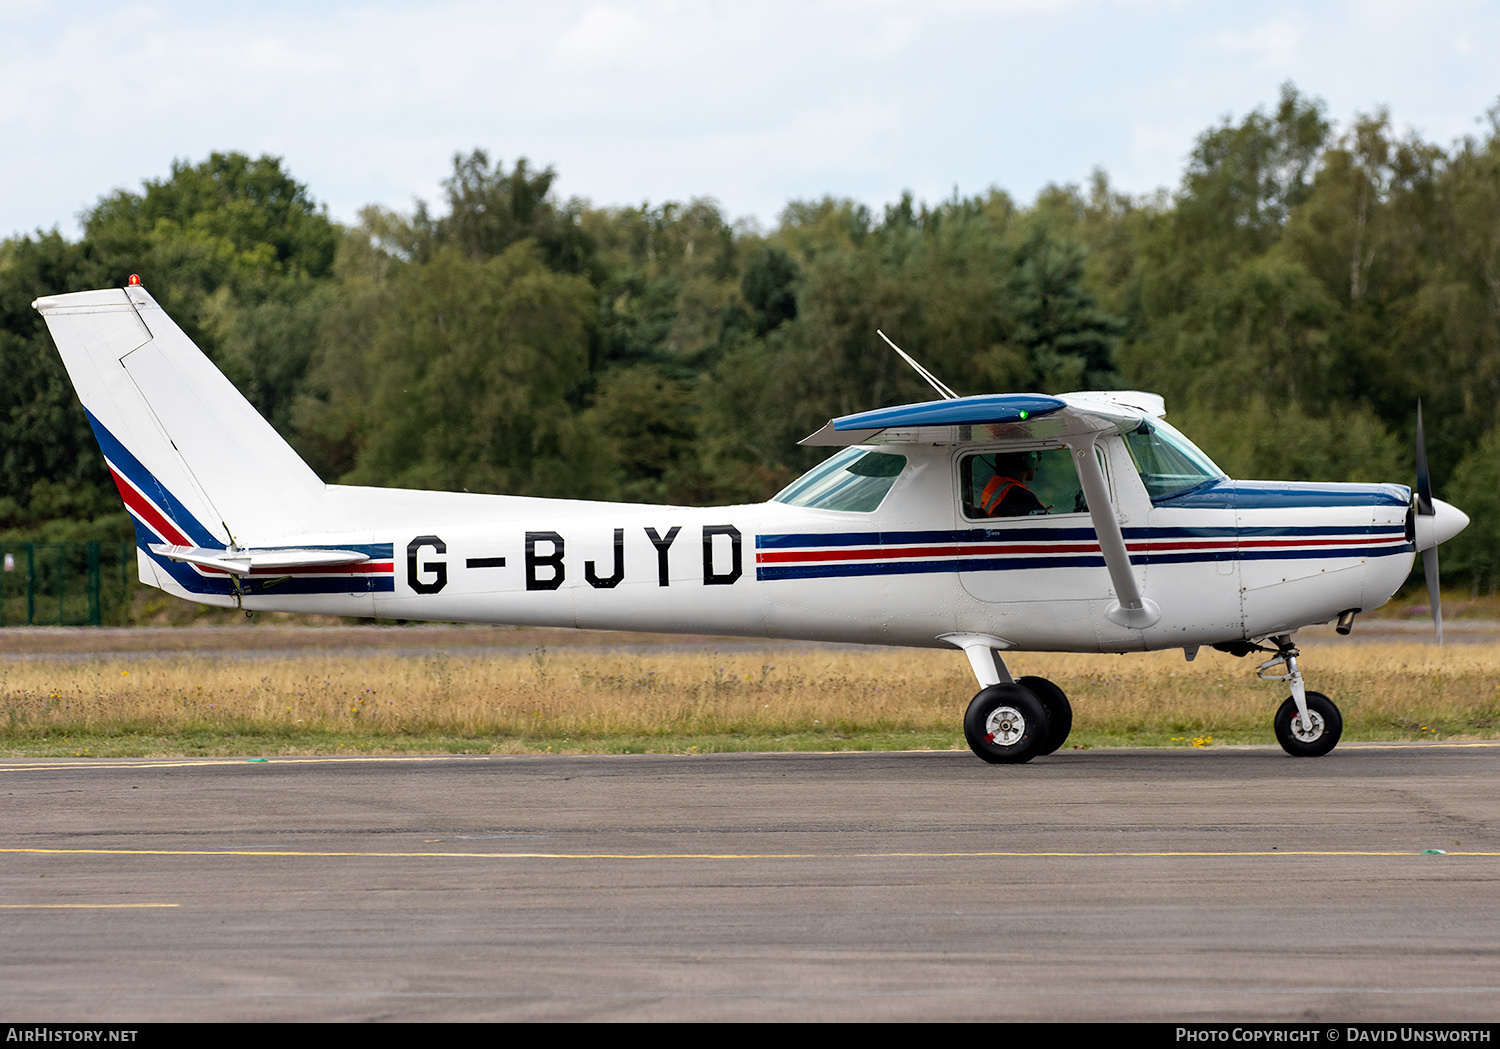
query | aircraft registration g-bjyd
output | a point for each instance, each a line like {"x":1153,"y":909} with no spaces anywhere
{"x":1009,"y":522}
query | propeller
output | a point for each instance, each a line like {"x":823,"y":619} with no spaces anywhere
{"x":1426,"y":509}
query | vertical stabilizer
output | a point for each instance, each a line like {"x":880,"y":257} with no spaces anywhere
{"x":194,"y":461}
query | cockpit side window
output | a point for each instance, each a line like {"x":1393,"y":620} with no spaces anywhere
{"x":1020,"y":484}
{"x":855,"y":479}
{"x":1169,"y":464}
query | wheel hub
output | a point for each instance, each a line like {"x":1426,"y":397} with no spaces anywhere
{"x":1309,"y":731}
{"x":1005,"y":726}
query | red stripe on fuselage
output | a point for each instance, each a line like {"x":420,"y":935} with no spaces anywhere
{"x":1146,"y":546}
{"x":363,"y":568}
{"x":872,"y":553}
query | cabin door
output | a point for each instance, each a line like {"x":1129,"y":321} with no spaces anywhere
{"x":1024,"y":529}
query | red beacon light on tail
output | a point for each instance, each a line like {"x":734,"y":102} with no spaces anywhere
{"x":135,"y":280}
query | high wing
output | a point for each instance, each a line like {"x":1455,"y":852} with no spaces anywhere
{"x":1075,"y":420}
{"x":1021,"y":417}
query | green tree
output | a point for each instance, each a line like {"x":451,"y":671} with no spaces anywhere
{"x":49,"y":462}
{"x":1243,"y":180}
{"x":234,"y":249}
{"x":228,"y":220}
{"x":490,"y":209}
{"x":470,"y":367}
{"x":769,"y":287}
{"x":1474,"y":554}
{"x":636,"y":317}
{"x":648,"y":422}
{"x":1070,"y":342}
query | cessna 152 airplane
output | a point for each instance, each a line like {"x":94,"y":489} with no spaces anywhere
{"x":1081,"y":523}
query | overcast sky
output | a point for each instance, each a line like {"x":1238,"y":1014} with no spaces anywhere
{"x":752,"y":104}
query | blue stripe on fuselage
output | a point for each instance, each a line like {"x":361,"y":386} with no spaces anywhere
{"x":1281,"y":495}
{"x":823,"y":540}
{"x":1357,"y":546}
{"x":824,"y":571}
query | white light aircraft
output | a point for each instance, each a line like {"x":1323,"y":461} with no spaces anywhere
{"x":1006,"y":522}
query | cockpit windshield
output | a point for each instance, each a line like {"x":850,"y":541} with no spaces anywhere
{"x":855,"y":479}
{"x":1168,"y":462}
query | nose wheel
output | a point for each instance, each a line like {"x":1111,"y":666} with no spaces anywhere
{"x":1308,"y":725}
{"x":1314,"y":735}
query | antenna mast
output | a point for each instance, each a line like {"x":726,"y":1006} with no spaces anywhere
{"x":932,"y":380}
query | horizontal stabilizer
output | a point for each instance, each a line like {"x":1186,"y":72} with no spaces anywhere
{"x":244,"y":562}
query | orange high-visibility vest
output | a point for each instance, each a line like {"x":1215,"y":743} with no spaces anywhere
{"x":993,"y":495}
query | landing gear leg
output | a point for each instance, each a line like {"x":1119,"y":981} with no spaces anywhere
{"x":1009,"y":721}
{"x":1308,"y":725}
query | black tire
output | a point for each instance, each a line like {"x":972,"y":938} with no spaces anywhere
{"x":1059,"y":711}
{"x":1328,"y":726}
{"x":1006,"y":725}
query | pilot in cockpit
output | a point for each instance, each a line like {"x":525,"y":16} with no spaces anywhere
{"x":1007,"y":494}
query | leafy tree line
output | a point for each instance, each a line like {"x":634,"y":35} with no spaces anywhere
{"x":1292,"y":299}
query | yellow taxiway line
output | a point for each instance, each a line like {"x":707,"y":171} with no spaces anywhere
{"x":68,"y":764}
{"x":723,"y":855}
{"x":80,"y":906}
{"x":65,"y":764}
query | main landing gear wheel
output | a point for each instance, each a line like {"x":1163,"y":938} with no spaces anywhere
{"x":1312,"y":740}
{"x":1059,"y":711}
{"x":1006,"y":725}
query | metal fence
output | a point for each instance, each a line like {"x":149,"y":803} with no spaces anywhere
{"x":66,"y":584}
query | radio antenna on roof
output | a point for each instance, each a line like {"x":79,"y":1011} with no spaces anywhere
{"x":932,"y":380}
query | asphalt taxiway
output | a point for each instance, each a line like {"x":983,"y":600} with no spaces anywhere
{"x":1228,"y":883}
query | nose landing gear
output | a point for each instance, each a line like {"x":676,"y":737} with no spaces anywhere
{"x":1308,"y":724}
{"x":1314,"y":735}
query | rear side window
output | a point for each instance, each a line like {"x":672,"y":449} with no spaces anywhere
{"x":854,"y":479}
{"x":1020,"y":484}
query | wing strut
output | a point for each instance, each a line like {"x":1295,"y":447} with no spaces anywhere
{"x":1131,"y":608}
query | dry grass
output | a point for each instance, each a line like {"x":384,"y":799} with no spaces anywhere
{"x":675,"y":701}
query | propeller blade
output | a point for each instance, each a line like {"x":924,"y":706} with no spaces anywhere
{"x":1434,"y":596}
{"x":1426,"y":509}
{"x":1424,"y":479}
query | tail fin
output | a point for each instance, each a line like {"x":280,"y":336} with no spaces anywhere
{"x":195,"y":463}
